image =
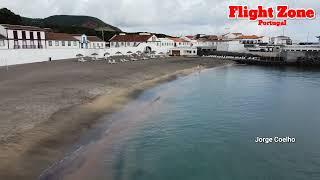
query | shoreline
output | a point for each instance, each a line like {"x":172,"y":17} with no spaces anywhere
{"x":32,"y":151}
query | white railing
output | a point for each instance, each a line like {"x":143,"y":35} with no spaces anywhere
{"x":302,"y":48}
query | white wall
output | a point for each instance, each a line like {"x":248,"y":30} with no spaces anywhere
{"x":24,"y":56}
{"x":74,"y":45}
{"x":231,"y":46}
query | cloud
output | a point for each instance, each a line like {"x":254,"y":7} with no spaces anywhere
{"x":175,"y":17}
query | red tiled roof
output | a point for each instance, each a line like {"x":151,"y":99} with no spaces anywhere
{"x":60,"y":36}
{"x":94,"y":39}
{"x":19,"y":27}
{"x":190,"y":36}
{"x":175,"y":39}
{"x":249,"y":37}
{"x":130,"y":38}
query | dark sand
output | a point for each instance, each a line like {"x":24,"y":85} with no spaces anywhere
{"x":45,"y":107}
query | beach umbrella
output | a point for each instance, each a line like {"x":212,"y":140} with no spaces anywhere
{"x":79,"y":55}
{"x":106,"y":54}
{"x":129,"y":52}
{"x":118,"y":53}
{"x":138,"y":52}
{"x":94,"y":56}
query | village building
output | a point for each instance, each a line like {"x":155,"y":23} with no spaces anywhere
{"x":23,"y":37}
{"x":183,"y":51}
{"x":95,"y":43}
{"x":90,"y":42}
{"x":166,"y":42}
{"x":209,"y":41}
{"x":249,"y":39}
{"x":281,"y":40}
{"x":133,"y":40}
{"x":180,"y":42}
{"x":230,"y":36}
{"x":61,"y":41}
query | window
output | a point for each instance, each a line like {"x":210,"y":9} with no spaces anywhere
{"x":57,"y":43}
{"x":15,"y":35}
{"x":24,"y":35}
{"x":69,"y":43}
{"x":38,"y":35}
{"x":122,"y":43}
{"x":2,"y":43}
{"x":75,"y":43}
{"x":31,"y":36}
{"x":111,"y":43}
{"x":94,"y":45}
{"x":50,"y":43}
{"x":128,"y":43}
{"x":63,"y":43}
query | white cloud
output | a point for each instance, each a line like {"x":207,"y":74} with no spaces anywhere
{"x":169,"y":16}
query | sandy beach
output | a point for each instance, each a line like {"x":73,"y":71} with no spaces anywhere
{"x":44,"y":107}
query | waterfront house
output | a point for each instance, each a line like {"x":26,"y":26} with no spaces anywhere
{"x":23,"y":37}
{"x":83,"y":40}
{"x":249,"y":39}
{"x":166,"y":42}
{"x":180,"y":42}
{"x":61,"y":41}
{"x":133,"y":40}
{"x":95,"y":43}
{"x":281,"y":40}
{"x":230,"y":36}
{"x":90,"y":42}
{"x":3,"y":42}
{"x":183,"y":51}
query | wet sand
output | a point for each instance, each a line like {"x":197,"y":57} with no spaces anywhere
{"x":45,"y":107}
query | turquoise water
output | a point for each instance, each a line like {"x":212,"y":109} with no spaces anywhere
{"x":206,"y":128}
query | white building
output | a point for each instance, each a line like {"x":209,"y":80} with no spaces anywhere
{"x":133,"y":40}
{"x":281,"y":40}
{"x":61,"y":41}
{"x":230,"y":46}
{"x":23,"y":37}
{"x":183,"y":51}
{"x":166,"y":42}
{"x":95,"y":43}
{"x":180,"y":42}
{"x":250,"y":39}
{"x":90,"y":42}
{"x":230,"y":36}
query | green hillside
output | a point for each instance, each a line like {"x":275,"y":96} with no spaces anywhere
{"x":60,"y":23}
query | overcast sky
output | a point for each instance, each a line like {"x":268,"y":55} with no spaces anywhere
{"x":174,"y":17}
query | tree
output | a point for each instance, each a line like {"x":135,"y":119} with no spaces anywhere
{"x":8,"y":17}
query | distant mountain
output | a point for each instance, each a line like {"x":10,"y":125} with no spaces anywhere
{"x":60,"y":23}
{"x":70,"y":21}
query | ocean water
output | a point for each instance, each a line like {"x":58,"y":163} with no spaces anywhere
{"x":208,"y":126}
{"x":204,"y":126}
